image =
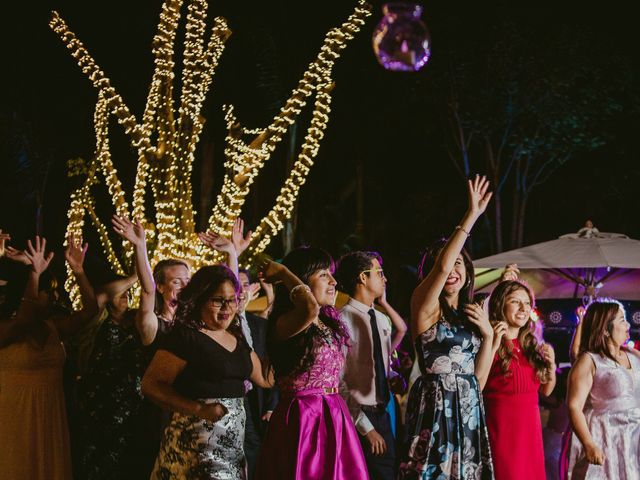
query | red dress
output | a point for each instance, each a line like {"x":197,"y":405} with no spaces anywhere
{"x":513,"y":420}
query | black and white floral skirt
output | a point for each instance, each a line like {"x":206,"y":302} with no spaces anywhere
{"x":193,"y":448}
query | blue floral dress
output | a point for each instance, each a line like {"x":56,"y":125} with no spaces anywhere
{"x":447,"y":433}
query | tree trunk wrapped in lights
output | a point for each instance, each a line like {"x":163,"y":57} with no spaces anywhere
{"x":166,"y":139}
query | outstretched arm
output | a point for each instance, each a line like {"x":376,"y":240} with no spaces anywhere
{"x":240,"y":240}
{"x":146,"y":318}
{"x":74,"y":255}
{"x":29,"y":311}
{"x":424,"y":301}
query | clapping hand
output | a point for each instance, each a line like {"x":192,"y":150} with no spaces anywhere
{"x":479,"y":195}
{"x":35,"y":253}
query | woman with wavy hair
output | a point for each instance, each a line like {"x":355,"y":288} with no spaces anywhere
{"x":523,"y":366}
{"x":604,"y":398}
{"x":199,"y":373}
{"x":311,"y":435}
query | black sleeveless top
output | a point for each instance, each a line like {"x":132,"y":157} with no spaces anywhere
{"x":212,"y":371}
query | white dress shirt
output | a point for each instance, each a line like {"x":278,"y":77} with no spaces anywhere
{"x":359,"y":371}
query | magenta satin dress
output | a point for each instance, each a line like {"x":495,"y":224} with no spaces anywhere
{"x":311,"y":435}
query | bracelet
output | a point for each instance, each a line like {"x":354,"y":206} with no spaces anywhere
{"x":292,"y":292}
{"x":459,"y":227}
{"x":29,"y":300}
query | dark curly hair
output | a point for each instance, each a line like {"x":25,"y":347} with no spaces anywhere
{"x":299,"y":352}
{"x":527,"y":338}
{"x":466,"y":293}
{"x":197,"y":292}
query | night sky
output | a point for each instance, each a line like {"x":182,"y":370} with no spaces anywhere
{"x":388,"y":122}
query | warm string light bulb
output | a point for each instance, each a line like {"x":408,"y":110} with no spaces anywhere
{"x":166,"y":139}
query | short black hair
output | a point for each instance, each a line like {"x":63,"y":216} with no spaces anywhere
{"x":350,"y":266}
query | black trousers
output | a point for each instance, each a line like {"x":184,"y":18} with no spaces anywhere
{"x":381,"y":467}
{"x":252,"y":439}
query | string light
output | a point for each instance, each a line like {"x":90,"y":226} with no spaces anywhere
{"x":166,"y":138}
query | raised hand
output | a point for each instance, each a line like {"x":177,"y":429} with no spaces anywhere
{"x":479,"y":194}
{"x":75,"y":252}
{"x":271,"y":271}
{"x":511,"y":272}
{"x":239,"y":241}
{"x":17,"y":255}
{"x":3,"y":238}
{"x":131,"y":231}
{"x":35,"y":253}
{"x":268,"y":291}
{"x":252,"y":292}
{"x":477,"y":316}
{"x":217,"y":242}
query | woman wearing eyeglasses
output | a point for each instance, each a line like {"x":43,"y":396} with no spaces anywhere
{"x":199,"y":374}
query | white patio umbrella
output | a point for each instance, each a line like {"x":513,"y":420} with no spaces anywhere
{"x":572,"y":266}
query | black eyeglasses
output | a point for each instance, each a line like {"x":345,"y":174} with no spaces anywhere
{"x":220,"y":302}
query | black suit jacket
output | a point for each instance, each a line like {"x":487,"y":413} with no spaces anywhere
{"x":261,"y":400}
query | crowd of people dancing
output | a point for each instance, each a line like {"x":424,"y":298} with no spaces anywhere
{"x":191,"y":385}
